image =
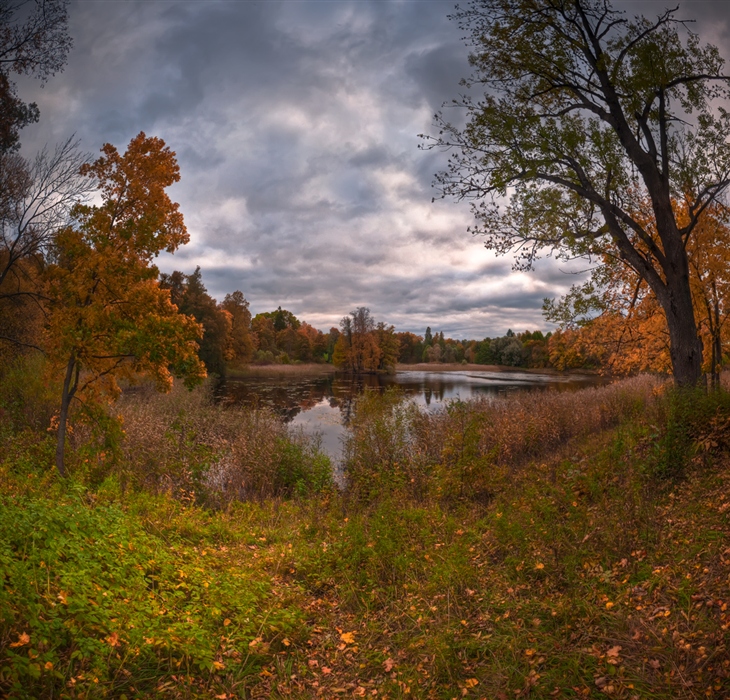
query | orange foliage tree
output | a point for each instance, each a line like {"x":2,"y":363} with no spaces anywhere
{"x":616,"y":321}
{"x":363,"y":345}
{"x":108,"y":316}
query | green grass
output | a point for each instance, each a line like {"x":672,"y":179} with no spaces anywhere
{"x":599,"y":569}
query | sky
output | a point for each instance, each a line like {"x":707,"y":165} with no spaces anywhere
{"x":296,"y":126}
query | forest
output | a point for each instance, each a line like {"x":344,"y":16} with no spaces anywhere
{"x":157,"y":541}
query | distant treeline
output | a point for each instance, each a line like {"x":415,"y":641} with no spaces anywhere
{"x":233,"y":338}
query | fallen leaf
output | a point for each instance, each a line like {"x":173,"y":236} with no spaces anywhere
{"x":23,"y":639}
{"x":388,"y":665}
{"x":348,"y":637}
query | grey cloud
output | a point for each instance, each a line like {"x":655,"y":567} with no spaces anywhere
{"x":295,"y":125}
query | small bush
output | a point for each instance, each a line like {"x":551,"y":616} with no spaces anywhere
{"x":684,"y":421}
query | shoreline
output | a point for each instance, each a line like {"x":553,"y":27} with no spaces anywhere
{"x":324,"y":369}
{"x":303,"y":368}
{"x":457,"y":367}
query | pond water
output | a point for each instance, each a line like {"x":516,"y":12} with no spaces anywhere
{"x":322,"y":403}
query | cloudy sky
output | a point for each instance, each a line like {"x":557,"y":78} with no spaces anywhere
{"x":296,"y":127}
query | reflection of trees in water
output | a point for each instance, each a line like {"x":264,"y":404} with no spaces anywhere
{"x":289,"y":396}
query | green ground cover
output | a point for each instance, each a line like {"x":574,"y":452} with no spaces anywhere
{"x":590,"y":560}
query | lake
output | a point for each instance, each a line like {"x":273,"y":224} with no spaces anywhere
{"x":322,"y":403}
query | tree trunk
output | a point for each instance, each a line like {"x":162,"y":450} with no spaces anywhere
{"x":69,"y":388}
{"x":685,"y":344}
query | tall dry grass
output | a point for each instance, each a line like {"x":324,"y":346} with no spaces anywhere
{"x":468,"y":447}
{"x":184,"y":443}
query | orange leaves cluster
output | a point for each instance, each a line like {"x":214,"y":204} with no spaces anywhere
{"x":107,"y":310}
{"x":631,"y":334}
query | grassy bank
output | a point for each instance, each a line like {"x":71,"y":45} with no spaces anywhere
{"x":565,"y":546}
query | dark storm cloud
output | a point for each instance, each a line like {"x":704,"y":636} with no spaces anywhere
{"x":295,"y":125}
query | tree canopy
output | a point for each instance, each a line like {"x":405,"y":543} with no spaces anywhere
{"x":587,"y":113}
{"x":108,"y":315}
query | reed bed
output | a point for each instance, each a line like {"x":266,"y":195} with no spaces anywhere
{"x":469,"y":446}
{"x":184,"y":443}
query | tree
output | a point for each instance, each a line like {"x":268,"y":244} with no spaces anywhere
{"x":34,"y":41}
{"x":36,"y":202}
{"x":191,"y":297}
{"x":109,"y":318}
{"x":410,"y":347}
{"x":358,"y":348}
{"x":586,"y":112}
{"x":620,"y":321}
{"x":388,"y":345}
{"x":263,"y":329}
{"x":35,"y":197}
{"x":242,"y":342}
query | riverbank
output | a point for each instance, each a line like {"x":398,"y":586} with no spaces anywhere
{"x":579,"y":548}
{"x":459,"y":367}
{"x":304,"y":368}
{"x":316,"y":369}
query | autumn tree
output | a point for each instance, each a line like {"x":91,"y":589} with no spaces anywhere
{"x":242,"y":343}
{"x":358,"y":348}
{"x":710,"y":279}
{"x":619,"y":320}
{"x":584,"y":112}
{"x":265,"y":334}
{"x":410,"y":347}
{"x":191,"y":297}
{"x":387,"y":341}
{"x":108,"y":316}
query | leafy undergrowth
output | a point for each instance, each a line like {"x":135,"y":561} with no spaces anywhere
{"x":582,"y":577}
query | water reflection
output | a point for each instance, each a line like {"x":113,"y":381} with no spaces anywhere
{"x":323,"y":404}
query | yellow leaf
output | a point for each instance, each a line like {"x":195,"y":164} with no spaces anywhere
{"x":226,"y":622}
{"x":471,"y":682}
{"x":23,"y":639}
{"x":348,"y":637}
{"x":218,"y":665}
{"x":48,"y":666}
{"x":285,"y":642}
